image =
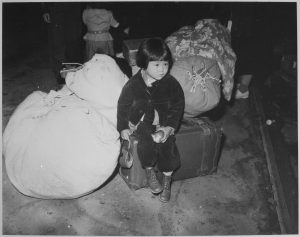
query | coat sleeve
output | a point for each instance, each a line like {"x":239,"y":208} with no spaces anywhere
{"x":124,"y":104}
{"x":113,"y":22}
{"x":177,"y":106}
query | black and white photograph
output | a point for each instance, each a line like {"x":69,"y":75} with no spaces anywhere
{"x":149,"y":118}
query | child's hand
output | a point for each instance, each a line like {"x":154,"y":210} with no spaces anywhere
{"x":167,"y":132}
{"x":125,"y":134}
{"x":132,"y":127}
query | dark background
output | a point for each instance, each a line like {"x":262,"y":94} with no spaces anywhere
{"x":275,"y":22}
{"x":272,"y":26}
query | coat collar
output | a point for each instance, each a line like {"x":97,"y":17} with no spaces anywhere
{"x":154,"y":84}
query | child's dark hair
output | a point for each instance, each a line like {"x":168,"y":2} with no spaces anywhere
{"x":153,"y":49}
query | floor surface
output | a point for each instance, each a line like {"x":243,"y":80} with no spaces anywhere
{"x":236,"y":200}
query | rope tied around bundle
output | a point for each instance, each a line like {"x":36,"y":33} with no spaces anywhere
{"x":199,"y":77}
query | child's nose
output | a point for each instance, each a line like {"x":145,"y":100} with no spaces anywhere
{"x":161,"y":67}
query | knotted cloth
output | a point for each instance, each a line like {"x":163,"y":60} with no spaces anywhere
{"x":64,"y":144}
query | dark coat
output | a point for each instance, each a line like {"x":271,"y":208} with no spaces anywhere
{"x":65,"y":32}
{"x":165,"y":96}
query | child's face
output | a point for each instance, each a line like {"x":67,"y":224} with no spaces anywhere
{"x":157,"y":69}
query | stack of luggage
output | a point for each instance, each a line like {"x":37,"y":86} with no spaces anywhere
{"x":198,"y":142}
{"x":203,"y":62}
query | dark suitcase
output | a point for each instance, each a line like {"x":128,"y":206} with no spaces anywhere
{"x":198,"y":143}
{"x":130,"y":166}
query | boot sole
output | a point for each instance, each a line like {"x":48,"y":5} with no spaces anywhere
{"x":155,"y":192}
{"x":147,"y":187}
{"x":164,"y":201}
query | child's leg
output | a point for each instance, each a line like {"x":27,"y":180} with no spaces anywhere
{"x":168,"y":161}
{"x":147,"y":154}
{"x":146,"y":146}
{"x":110,"y":48}
{"x":242,"y":91}
{"x":90,"y":49}
{"x":168,"y":155}
{"x":105,"y":47}
{"x":244,"y":82}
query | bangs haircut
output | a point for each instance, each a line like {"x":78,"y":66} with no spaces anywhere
{"x":154,"y":49}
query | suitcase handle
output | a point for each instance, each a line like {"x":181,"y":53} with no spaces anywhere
{"x":205,"y":123}
{"x":126,"y":159}
{"x":192,"y":121}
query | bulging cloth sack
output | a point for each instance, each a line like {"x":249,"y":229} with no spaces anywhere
{"x":99,"y":82}
{"x":199,"y":78}
{"x":61,"y":146}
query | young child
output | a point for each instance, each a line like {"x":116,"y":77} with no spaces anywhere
{"x":98,"y":22}
{"x":151,"y":101}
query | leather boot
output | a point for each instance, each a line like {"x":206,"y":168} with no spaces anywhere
{"x":152,"y":181}
{"x":166,"y":193}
